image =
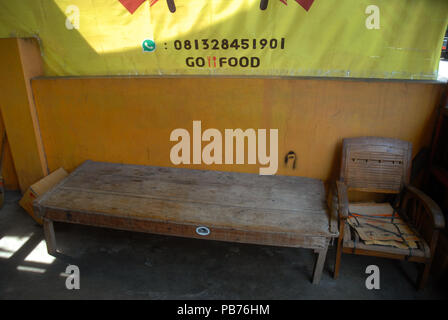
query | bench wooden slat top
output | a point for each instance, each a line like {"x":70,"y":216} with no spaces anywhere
{"x":239,"y":201}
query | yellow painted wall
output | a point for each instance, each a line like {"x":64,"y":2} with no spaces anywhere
{"x":129,"y":120}
{"x":20,"y":60}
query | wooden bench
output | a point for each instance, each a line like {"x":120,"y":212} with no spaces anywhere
{"x":226,"y":206}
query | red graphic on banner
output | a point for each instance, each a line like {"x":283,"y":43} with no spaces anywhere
{"x":133,"y":5}
{"x":306,"y":4}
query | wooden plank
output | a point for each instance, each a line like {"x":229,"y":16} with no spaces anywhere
{"x":258,"y":195}
{"x":234,"y":207}
{"x":214,"y":199}
{"x":104,"y":170}
{"x":374,"y":253}
{"x":189,"y":230}
{"x":156,"y":181}
{"x":305,"y":222}
{"x":20,"y":61}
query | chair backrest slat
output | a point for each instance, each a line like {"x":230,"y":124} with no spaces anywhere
{"x":376,"y":164}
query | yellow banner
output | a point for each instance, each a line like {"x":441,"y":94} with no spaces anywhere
{"x":324,"y":38}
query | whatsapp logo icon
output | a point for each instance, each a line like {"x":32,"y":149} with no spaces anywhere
{"x":148,"y":45}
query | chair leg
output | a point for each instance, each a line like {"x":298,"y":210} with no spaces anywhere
{"x":423,"y":276}
{"x":339,"y":249}
{"x":338,"y":260}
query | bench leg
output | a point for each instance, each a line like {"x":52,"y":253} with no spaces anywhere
{"x":319,"y":266}
{"x":50,"y":238}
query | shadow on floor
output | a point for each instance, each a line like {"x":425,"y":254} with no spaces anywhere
{"x":124,"y":265}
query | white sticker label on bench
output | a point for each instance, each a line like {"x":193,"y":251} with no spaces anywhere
{"x":203,"y":231}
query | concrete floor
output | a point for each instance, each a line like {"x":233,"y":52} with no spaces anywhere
{"x":124,"y":265}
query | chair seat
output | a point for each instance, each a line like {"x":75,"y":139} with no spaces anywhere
{"x":374,"y":223}
{"x":351,"y":240}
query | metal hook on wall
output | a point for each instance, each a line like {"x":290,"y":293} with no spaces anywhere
{"x":291,"y":155}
